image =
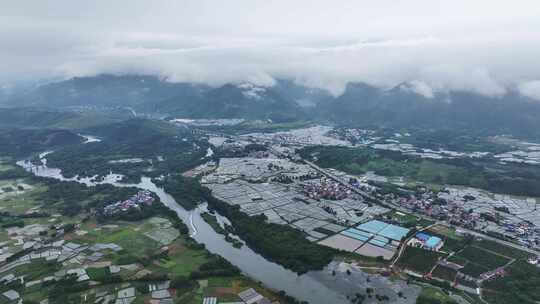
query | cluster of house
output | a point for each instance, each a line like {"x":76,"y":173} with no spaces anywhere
{"x":143,"y":197}
{"x":426,"y":241}
{"x":534,"y":260}
{"x":527,"y":233}
{"x":493,"y":274}
{"x":460,"y":214}
{"x":450,"y":212}
{"x":325,"y":189}
{"x":354,"y":136}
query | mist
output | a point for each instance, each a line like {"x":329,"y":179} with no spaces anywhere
{"x":485,"y":47}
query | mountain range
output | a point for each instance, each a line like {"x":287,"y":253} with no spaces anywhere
{"x":360,"y":105}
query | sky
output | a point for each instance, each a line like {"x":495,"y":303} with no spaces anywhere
{"x":488,"y":47}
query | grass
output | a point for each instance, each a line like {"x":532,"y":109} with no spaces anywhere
{"x":503,"y":250}
{"x":418,"y":259}
{"x":98,"y":274}
{"x":445,"y":231}
{"x":445,"y":273}
{"x":132,"y":241}
{"x":182,"y":260}
{"x":212,"y":221}
{"x":20,"y":203}
{"x":36,"y":269}
{"x":473,"y":269}
{"x":458,"y":260}
{"x":520,"y":285}
{"x":405,"y":219}
{"x":4,"y":166}
{"x":482,"y":258}
{"x":431,"y":295}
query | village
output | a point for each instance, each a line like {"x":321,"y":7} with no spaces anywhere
{"x":325,"y":207}
{"x":143,"y":197}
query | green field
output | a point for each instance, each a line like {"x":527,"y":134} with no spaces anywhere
{"x":4,"y":165}
{"x":458,"y":260}
{"x":519,"y":286}
{"x":98,"y":274}
{"x":418,"y":259}
{"x":404,"y":219}
{"x":128,"y":235}
{"x":445,"y":273}
{"x":434,"y":296}
{"x":482,"y":257}
{"x":502,"y":250}
{"x":20,"y":201}
{"x":484,"y":174}
{"x":182,"y":260}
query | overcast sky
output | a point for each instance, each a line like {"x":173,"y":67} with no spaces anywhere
{"x":485,"y":46}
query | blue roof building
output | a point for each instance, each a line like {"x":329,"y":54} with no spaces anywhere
{"x":433,"y":243}
{"x":428,"y":242}
{"x":422,"y":236}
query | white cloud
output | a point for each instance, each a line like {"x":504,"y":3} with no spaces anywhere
{"x":530,"y":89}
{"x":432,"y":45}
{"x":418,"y":87}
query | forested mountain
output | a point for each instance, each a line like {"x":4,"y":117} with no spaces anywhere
{"x":232,"y":101}
{"x":101,"y":91}
{"x":362,"y":105}
{"x":18,"y":142}
{"x":359,"y":105}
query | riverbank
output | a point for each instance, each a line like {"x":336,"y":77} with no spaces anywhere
{"x":314,"y":287}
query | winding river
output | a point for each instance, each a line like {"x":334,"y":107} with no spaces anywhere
{"x":314,"y":287}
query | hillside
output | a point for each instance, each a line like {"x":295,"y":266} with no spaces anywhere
{"x":365,"y":106}
{"x":360,"y":105}
{"x":232,"y":101}
{"x":30,"y":118}
{"x":151,"y":95}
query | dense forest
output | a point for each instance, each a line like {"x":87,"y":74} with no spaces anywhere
{"x":22,"y":142}
{"x":70,"y":198}
{"x":294,"y":252}
{"x":152,"y":148}
{"x":188,"y":192}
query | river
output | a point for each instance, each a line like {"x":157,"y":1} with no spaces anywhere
{"x":316,"y":287}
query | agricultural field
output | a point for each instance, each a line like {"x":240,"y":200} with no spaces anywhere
{"x":502,"y":250}
{"x":99,"y":258}
{"x":444,"y":273}
{"x":434,"y":296}
{"x":4,"y":164}
{"x":18,"y":196}
{"x":407,"y":220}
{"x":477,"y":261}
{"x":519,"y":286}
{"x":419,"y":260}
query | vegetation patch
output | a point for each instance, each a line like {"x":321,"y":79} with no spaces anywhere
{"x":98,"y":274}
{"x":519,"y":286}
{"x":282,"y":244}
{"x":418,"y":259}
{"x":445,"y":273}
{"x":434,"y":296}
{"x":502,"y":250}
{"x":482,"y":258}
{"x":507,"y":178}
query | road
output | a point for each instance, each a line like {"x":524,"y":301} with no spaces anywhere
{"x":370,"y":197}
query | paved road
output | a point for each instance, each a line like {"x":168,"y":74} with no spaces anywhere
{"x":397,"y":207}
{"x":366,"y":195}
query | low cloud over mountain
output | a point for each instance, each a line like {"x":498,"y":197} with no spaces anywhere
{"x":484,"y":47}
